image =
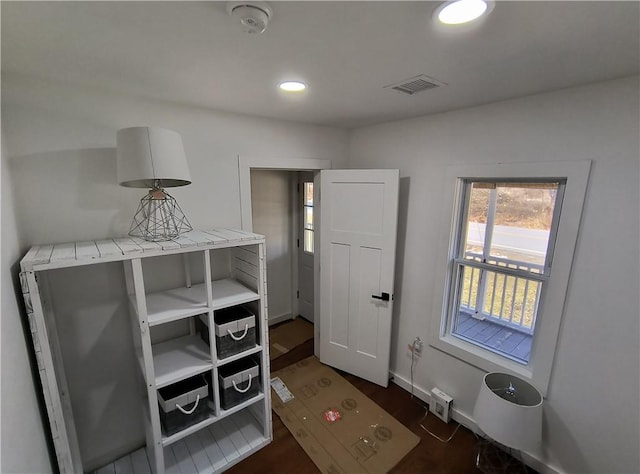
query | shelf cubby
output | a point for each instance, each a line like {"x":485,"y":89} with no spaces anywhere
{"x":180,"y":358}
{"x":217,"y":446}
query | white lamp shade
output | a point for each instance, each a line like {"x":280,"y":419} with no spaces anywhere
{"x":151,"y":156}
{"x":510,"y":417}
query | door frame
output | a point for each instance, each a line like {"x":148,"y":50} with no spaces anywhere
{"x":248,"y":163}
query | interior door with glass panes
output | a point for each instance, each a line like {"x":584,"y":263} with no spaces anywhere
{"x":305,"y":245}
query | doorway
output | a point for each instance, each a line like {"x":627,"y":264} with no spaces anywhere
{"x":357,"y":248}
{"x":297,"y":170}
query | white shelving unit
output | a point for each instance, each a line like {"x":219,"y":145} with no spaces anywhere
{"x":220,"y":438}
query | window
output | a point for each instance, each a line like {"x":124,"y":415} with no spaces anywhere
{"x":509,"y":236}
{"x":502,"y":262}
{"x":307,"y":202}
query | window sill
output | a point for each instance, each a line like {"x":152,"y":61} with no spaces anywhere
{"x":479,"y":357}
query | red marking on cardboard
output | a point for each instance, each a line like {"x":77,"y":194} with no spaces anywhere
{"x":332,"y":416}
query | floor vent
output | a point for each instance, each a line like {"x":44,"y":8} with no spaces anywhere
{"x":415,"y":85}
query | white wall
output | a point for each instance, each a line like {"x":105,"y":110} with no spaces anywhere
{"x":61,"y":144}
{"x":592,"y":409}
{"x":23,"y":440}
{"x":272,"y":217}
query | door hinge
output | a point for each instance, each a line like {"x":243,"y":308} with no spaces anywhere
{"x":298,"y":294}
{"x":298,"y":243}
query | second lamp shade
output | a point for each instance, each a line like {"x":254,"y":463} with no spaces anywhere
{"x":509,"y":410}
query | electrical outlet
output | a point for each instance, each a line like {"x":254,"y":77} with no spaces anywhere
{"x":417,"y":347}
{"x":440,"y":404}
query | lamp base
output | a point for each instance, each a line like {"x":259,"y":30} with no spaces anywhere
{"x":491,"y":459}
{"x":159,"y":218}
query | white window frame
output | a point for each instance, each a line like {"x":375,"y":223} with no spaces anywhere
{"x":551,"y":307}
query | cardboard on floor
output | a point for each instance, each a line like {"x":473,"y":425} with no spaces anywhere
{"x":341,"y":429}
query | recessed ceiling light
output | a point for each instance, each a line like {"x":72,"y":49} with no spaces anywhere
{"x":293,"y":86}
{"x":456,"y":12}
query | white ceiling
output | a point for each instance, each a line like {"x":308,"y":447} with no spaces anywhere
{"x":194,"y":53}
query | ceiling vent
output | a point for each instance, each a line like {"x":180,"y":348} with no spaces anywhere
{"x":415,"y":84}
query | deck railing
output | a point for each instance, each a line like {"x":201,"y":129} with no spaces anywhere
{"x":504,"y":299}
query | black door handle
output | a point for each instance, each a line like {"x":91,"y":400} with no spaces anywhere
{"x":383,"y":296}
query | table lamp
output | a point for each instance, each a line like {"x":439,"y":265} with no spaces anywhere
{"x":154,"y":158}
{"x":509,"y":411}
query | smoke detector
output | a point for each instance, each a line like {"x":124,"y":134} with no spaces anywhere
{"x":253,"y":16}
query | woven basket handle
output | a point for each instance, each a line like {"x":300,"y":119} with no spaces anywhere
{"x":242,"y":390}
{"x":189,"y":412}
{"x":239,"y":338}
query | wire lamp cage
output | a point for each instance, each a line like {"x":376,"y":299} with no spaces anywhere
{"x":159,"y":217}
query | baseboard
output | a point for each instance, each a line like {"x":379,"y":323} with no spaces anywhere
{"x":468,"y":422}
{"x":302,"y":317}
{"x":280,"y":318}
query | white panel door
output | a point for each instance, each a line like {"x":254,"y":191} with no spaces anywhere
{"x":358,"y":220}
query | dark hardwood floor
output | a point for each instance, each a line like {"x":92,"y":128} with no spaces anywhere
{"x":284,"y":454}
